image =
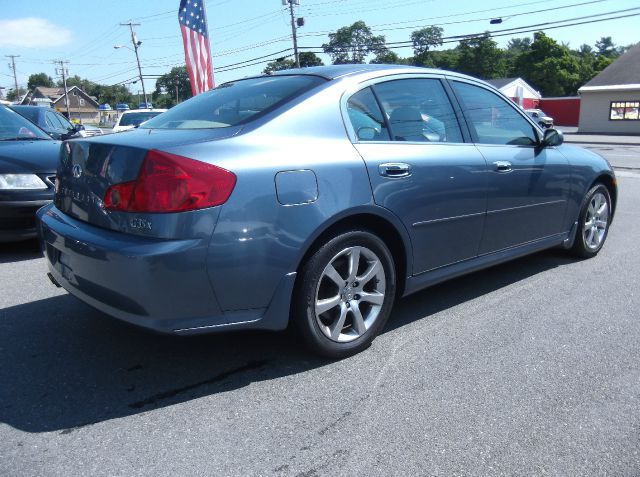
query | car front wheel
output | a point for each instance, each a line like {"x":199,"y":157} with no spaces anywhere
{"x":345,"y":294}
{"x":593,"y":224}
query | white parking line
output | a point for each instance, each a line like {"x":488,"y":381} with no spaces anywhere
{"x":620,"y":173}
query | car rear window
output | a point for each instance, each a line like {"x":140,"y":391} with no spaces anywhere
{"x":234,"y":103}
{"x":15,"y":127}
{"x":135,"y":119}
{"x":29,"y":112}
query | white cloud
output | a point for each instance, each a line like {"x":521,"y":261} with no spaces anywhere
{"x":33,"y":33}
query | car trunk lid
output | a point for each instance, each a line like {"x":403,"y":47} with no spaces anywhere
{"x":88,"y":167}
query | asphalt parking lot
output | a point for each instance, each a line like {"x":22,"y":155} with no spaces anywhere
{"x":528,"y":368}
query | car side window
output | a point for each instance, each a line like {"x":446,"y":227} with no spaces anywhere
{"x":491,"y":119}
{"x":64,"y":121}
{"x":418,"y":110}
{"x":366,"y":117}
{"x":52,"y":120}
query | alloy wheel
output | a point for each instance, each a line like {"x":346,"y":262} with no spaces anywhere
{"x":596,"y":220}
{"x":350,"y":294}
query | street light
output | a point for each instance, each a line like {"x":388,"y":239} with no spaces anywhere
{"x":136,"y":44}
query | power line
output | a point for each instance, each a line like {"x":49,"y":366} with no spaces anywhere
{"x":375,"y":27}
{"x":452,"y":39}
{"x":537,"y":26}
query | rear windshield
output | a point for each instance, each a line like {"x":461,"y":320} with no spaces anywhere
{"x":29,"y":112}
{"x":234,"y":103}
{"x":15,"y":127}
{"x":134,"y":119}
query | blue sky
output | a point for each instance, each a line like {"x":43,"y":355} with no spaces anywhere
{"x":240,"y":30}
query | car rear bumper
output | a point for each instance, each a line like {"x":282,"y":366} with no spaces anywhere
{"x":18,"y":219}
{"x":158,"y":284}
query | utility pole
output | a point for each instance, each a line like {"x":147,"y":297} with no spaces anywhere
{"x":293,"y":29}
{"x":64,"y":72}
{"x":15,"y":77}
{"x":136,"y":45}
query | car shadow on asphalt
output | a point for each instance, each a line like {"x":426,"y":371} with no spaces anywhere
{"x":64,"y":365}
{"x":453,"y":292}
{"x":19,"y":251}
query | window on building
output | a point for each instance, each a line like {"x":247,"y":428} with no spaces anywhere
{"x":624,"y":110}
{"x":81,"y":101}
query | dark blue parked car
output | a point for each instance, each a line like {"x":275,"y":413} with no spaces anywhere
{"x":28,"y":161}
{"x":50,"y":121}
{"x":314,"y":198}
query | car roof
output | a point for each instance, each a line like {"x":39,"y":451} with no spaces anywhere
{"x":146,"y":110}
{"x":331,"y":72}
{"x":30,"y":107}
{"x":33,"y":107}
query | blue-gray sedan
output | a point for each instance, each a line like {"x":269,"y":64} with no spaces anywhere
{"x":313,"y":198}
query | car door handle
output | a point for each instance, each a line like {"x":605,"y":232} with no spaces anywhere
{"x":394,"y":169}
{"x":503,"y":166}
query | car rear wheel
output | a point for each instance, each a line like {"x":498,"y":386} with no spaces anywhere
{"x":593,"y":224}
{"x":345,"y":294}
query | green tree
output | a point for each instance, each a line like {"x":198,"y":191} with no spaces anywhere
{"x":445,"y":59}
{"x":481,"y":57}
{"x":85,"y":85}
{"x":12,"y":95}
{"x":113,"y":94}
{"x":519,"y":45}
{"x":39,"y":79}
{"x":167,"y":83}
{"x":385,"y":56}
{"x":423,"y":40}
{"x":606,"y":47}
{"x":279,"y":65}
{"x":549,"y":67}
{"x":306,"y":58}
{"x":352,"y":44}
{"x":515,"y":48}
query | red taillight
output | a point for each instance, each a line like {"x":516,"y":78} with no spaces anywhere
{"x":170,"y":183}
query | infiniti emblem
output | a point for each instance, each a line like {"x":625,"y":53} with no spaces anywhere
{"x":76,"y":171}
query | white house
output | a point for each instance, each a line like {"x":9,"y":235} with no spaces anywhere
{"x":518,"y":90}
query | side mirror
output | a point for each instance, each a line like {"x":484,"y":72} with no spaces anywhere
{"x":552,"y":137}
{"x":78,"y":127}
{"x":366,"y":134}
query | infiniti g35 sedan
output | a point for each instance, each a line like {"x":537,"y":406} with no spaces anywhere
{"x":313,"y":198}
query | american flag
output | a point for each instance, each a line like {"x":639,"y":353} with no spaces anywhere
{"x":193,"y":24}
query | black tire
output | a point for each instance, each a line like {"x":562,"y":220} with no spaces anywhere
{"x":317,"y":286}
{"x":589,"y":240}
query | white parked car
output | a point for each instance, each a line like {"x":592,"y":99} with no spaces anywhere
{"x":540,"y":117}
{"x":134,"y":117}
{"x":90,"y":131}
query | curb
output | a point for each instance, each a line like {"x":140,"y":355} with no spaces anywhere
{"x":602,"y":143}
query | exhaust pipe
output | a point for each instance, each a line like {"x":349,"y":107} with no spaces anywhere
{"x":53,"y":280}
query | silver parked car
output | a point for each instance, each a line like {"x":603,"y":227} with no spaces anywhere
{"x":313,"y":198}
{"x":540,"y":117}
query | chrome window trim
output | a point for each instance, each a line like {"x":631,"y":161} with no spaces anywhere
{"x":355,"y":88}
{"x":509,"y":101}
